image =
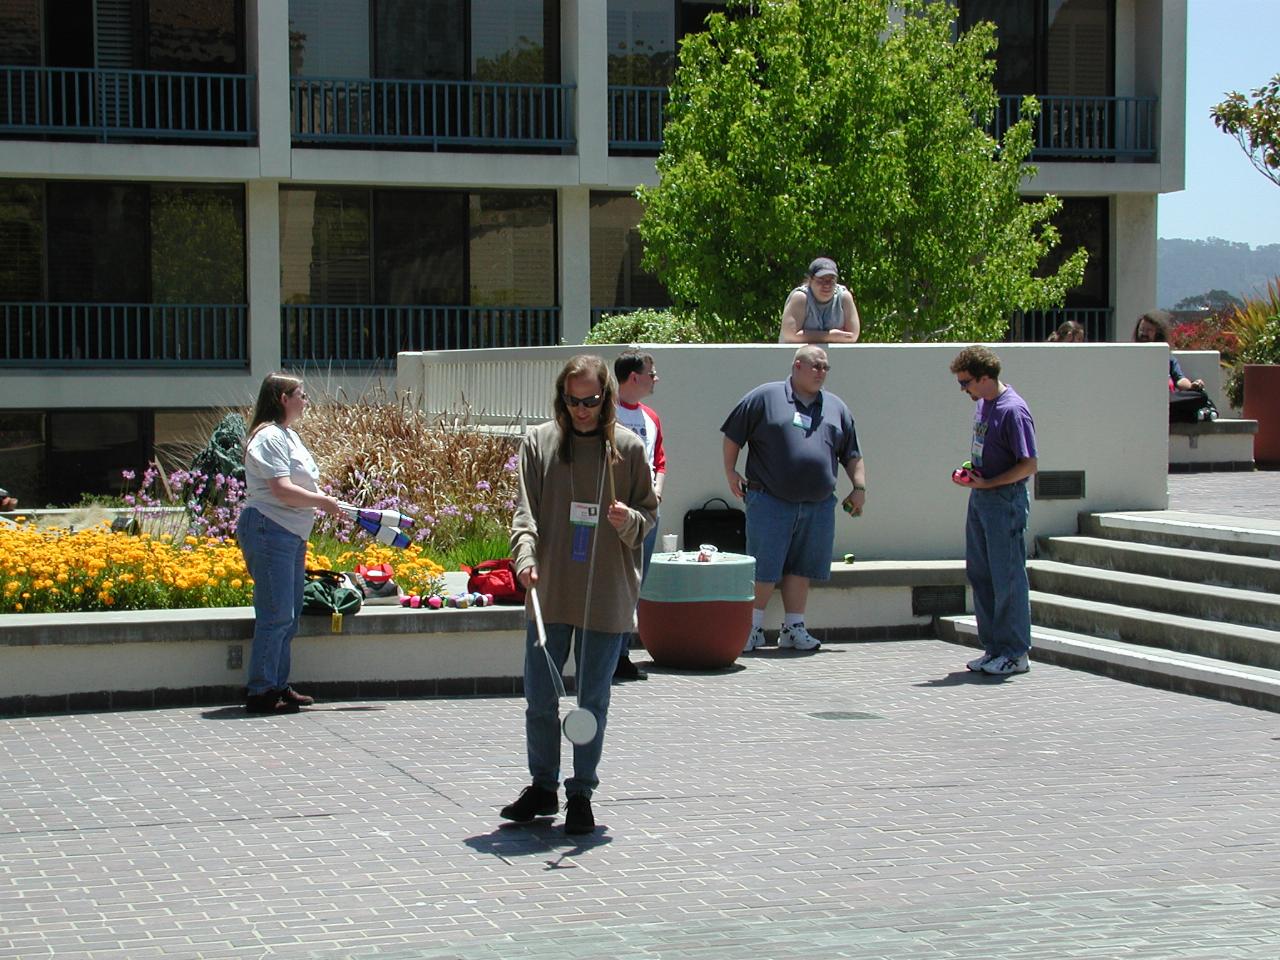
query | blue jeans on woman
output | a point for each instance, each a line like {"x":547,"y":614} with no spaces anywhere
{"x":995,"y":561}
{"x":277,"y":562}
{"x":542,"y":711}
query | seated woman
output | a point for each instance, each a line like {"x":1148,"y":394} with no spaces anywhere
{"x":1069,"y":331}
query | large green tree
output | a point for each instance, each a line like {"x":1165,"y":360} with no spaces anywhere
{"x":1255,"y":123}
{"x":826,"y":127}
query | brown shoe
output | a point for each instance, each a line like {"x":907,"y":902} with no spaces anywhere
{"x":290,"y":695}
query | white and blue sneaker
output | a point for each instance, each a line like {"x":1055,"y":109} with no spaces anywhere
{"x":798,"y":637}
{"x":1003,"y":666}
{"x":980,"y":662}
{"x":754,"y":639}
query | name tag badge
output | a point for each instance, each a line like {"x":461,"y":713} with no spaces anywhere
{"x":802,"y":420}
{"x":583,"y":518}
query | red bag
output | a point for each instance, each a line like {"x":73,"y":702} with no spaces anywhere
{"x":497,"y":577}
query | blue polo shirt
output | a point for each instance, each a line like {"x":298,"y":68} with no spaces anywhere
{"x":794,"y":450}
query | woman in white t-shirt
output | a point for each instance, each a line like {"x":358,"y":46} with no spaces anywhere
{"x":279,"y":510}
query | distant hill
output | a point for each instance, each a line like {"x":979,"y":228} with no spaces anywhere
{"x":1185,"y":268}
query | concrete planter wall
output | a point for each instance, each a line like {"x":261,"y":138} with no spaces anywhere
{"x":1262,"y":403}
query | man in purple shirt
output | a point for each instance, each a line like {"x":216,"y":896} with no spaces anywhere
{"x":1003,"y":456}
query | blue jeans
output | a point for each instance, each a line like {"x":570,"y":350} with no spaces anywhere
{"x":995,"y":561}
{"x":542,"y":711}
{"x":277,"y":561}
{"x":789,"y":538}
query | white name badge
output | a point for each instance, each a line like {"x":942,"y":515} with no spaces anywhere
{"x":584,"y":514}
{"x":802,"y":420}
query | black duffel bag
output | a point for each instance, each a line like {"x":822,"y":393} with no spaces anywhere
{"x":1191,"y":406}
{"x":726,"y":528}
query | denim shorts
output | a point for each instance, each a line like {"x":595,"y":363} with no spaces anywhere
{"x":790,"y":538}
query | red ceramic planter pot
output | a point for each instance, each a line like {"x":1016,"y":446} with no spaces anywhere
{"x":1262,"y":403}
{"x":694,"y":636}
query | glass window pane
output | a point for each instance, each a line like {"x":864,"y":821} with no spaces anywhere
{"x":420,"y":243}
{"x":197,"y":245}
{"x":515,"y":41}
{"x":22,"y":456}
{"x":88,"y":449}
{"x":324,"y":245}
{"x":329,"y":38}
{"x":1083,"y":222}
{"x":420,"y":39}
{"x":617,"y":280}
{"x":1078,"y":49}
{"x":20,"y":32}
{"x":641,"y":42}
{"x":197,"y":36}
{"x":513,"y":249}
{"x":98,"y":242}
{"x":21,"y":241}
{"x":1016,"y":57}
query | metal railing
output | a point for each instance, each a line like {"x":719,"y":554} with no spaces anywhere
{"x":1034,"y":326}
{"x":127,"y":104}
{"x":636,"y":117}
{"x":431,"y":113}
{"x":1086,"y":128}
{"x":123,"y":335}
{"x":369,"y":335}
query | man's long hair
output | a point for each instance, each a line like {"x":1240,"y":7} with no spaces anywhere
{"x":585,"y":364}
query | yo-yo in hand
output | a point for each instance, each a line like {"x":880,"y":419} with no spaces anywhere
{"x":962,"y":476}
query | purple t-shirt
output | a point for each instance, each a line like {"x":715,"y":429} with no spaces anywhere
{"x":1003,"y":434}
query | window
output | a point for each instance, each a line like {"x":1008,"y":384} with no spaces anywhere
{"x":617,"y":279}
{"x":21,"y":242}
{"x":1052,"y":47}
{"x":197,"y":245}
{"x":1084,"y":222}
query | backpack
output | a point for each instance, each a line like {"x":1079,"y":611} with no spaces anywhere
{"x":330,"y":593}
{"x":1191,"y":406}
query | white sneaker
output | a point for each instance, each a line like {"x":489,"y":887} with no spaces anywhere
{"x":798,"y":637}
{"x":754,"y":639}
{"x":980,"y":662}
{"x":1003,"y":666}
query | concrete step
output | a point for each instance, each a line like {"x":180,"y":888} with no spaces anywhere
{"x":1157,"y":594}
{"x":1200,"y":566}
{"x":1135,"y":663}
{"x":1171,"y":528}
{"x":1236,"y":643}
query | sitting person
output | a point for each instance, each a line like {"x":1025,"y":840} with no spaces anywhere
{"x":820,"y":311}
{"x":1069,"y":331}
{"x":1153,"y":328}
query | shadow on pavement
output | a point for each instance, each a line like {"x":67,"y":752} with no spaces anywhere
{"x":538,"y":837}
{"x":238,"y":712}
{"x":962,"y":677}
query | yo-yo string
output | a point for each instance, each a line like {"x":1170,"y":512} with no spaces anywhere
{"x":591,"y":573}
{"x":542,"y":642}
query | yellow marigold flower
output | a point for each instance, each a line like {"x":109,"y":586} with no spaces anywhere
{"x":237,"y":583}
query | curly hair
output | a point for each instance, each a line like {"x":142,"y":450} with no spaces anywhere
{"x":977,"y":360}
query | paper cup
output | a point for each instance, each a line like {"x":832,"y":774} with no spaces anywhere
{"x":668,"y":543}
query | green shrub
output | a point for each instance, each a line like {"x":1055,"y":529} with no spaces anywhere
{"x":646,"y":326}
{"x":1256,"y":326}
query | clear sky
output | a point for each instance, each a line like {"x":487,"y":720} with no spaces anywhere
{"x":1231,"y":45}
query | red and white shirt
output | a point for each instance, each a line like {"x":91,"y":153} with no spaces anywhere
{"x":644,"y":423}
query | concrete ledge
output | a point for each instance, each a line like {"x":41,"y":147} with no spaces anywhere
{"x":161,"y":658}
{"x":1212,"y":445}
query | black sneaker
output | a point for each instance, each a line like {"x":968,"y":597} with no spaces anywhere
{"x":626,"y":670}
{"x":578,"y":817}
{"x":532,"y":802}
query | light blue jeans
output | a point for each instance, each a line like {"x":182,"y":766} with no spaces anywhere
{"x":995,"y":561}
{"x":277,"y":561}
{"x":542,"y":710}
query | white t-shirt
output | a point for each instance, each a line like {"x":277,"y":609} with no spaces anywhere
{"x":276,"y":451}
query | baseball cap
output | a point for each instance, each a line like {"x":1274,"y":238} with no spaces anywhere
{"x":823,"y":267}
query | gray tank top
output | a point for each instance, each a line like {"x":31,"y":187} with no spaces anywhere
{"x":820,"y":317}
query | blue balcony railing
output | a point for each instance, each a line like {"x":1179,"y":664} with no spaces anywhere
{"x":1034,"y":326}
{"x":1087,"y":128}
{"x":367,"y":335}
{"x":127,"y":104}
{"x":432,"y":113}
{"x":123,"y":335}
{"x":636,"y":117}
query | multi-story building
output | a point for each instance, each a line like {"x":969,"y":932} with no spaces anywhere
{"x":196,"y":192}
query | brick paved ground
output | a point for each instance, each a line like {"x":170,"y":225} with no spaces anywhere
{"x":866,"y":801}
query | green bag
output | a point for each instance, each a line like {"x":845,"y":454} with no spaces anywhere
{"x":328,"y":592}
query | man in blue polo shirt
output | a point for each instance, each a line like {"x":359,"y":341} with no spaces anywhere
{"x":797,"y":437}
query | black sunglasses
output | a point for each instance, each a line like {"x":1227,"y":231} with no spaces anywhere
{"x":588,"y":402}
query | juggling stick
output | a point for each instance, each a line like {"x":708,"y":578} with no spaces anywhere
{"x":579,"y":725}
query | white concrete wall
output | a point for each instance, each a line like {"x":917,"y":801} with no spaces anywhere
{"x":1100,"y":408}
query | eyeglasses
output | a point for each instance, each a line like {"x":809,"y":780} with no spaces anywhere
{"x":964,"y":384}
{"x":649,"y":373}
{"x":830,"y":279}
{"x":823,"y":367}
{"x":589,"y":402}
{"x":300,"y":394}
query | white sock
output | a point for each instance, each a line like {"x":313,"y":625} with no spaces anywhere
{"x":792,"y":619}
{"x":757,"y":617}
